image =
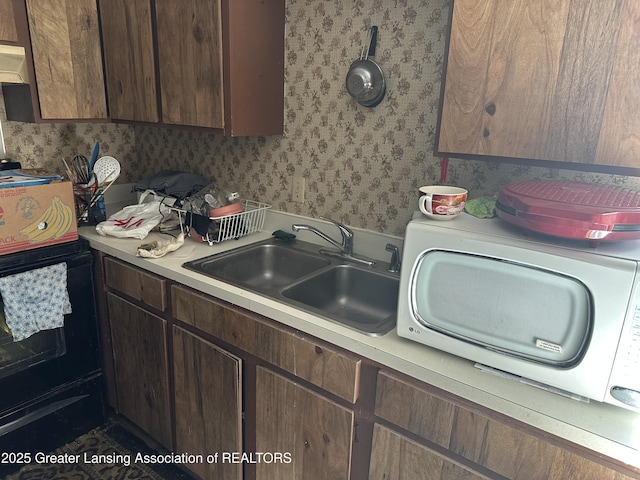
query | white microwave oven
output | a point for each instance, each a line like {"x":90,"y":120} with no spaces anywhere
{"x":556,"y":312}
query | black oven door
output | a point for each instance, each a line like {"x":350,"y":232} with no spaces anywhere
{"x":51,"y":359}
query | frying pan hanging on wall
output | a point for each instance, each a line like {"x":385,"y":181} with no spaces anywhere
{"x":365,"y":79}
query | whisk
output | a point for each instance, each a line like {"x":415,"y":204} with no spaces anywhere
{"x":80,"y":166}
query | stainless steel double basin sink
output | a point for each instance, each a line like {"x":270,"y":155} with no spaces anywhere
{"x":359,"y":297}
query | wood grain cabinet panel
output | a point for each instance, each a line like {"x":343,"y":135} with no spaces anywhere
{"x":190,"y":55}
{"x":619,"y":141}
{"x":490,"y":442}
{"x":8,"y":32}
{"x":396,"y":457}
{"x":551,"y":80}
{"x":329,"y":368}
{"x":414,"y":410}
{"x":500,"y":447}
{"x":139,"y":341}
{"x":315,"y":431}
{"x":214,"y":64}
{"x":208,"y":404}
{"x":254,"y":67}
{"x":129,"y":61}
{"x":213,"y":317}
{"x":136,"y":283}
{"x":67,"y":58}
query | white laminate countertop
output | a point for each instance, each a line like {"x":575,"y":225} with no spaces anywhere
{"x":609,"y":430}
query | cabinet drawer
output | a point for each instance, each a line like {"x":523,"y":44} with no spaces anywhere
{"x":135,"y":283}
{"x":328,"y":367}
{"x":414,"y":410}
{"x":397,"y":457}
{"x":493,"y":442}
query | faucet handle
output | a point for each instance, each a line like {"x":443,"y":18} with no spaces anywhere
{"x":394,"y":263}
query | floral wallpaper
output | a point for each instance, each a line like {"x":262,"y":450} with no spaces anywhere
{"x":45,"y":145}
{"x":362,"y":166}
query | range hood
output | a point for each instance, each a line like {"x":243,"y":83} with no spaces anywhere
{"x":13,"y":65}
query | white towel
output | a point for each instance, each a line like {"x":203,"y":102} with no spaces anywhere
{"x":35,"y":300}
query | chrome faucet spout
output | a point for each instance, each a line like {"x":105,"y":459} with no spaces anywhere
{"x":345,"y":249}
{"x":298,"y":227}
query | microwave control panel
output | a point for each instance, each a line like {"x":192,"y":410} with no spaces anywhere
{"x":624,"y":384}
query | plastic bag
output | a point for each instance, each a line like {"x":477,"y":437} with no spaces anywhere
{"x":134,"y":221}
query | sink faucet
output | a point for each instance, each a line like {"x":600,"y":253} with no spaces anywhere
{"x":345,"y":249}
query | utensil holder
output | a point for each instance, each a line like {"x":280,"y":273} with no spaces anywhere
{"x":86,"y":213}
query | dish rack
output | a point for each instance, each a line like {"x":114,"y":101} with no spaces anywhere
{"x":228,"y":227}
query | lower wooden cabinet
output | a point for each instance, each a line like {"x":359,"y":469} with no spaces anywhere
{"x":483,"y":440}
{"x":312,"y":430}
{"x":396,"y":457}
{"x":329,"y":368}
{"x":205,"y":377}
{"x":139,"y":341}
{"x":208,"y":404}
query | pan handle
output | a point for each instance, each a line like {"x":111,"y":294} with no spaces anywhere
{"x":374,"y":40}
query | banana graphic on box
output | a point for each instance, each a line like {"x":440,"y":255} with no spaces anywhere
{"x":53,"y":223}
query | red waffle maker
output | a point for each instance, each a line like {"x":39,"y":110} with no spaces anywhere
{"x":574,"y":210}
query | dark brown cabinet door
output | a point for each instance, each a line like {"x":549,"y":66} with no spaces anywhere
{"x":619,"y":142}
{"x":214,"y":64}
{"x":208,"y":404}
{"x":129,"y":59}
{"x":552,"y":80}
{"x":315,"y":431}
{"x":190,"y":58}
{"x":8,"y":32}
{"x":67,"y":58}
{"x":139,"y":341}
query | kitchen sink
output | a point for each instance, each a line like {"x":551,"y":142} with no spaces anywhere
{"x":357,"y":297}
{"x":296,"y":273}
{"x":264,"y":266}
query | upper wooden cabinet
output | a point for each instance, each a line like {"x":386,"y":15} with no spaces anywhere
{"x":8,"y":31}
{"x":129,"y":63}
{"x":555,"y":80}
{"x":212,"y":64}
{"x":190,"y":59}
{"x":62,"y":39}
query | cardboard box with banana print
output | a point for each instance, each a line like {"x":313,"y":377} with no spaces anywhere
{"x":36,"y":216}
